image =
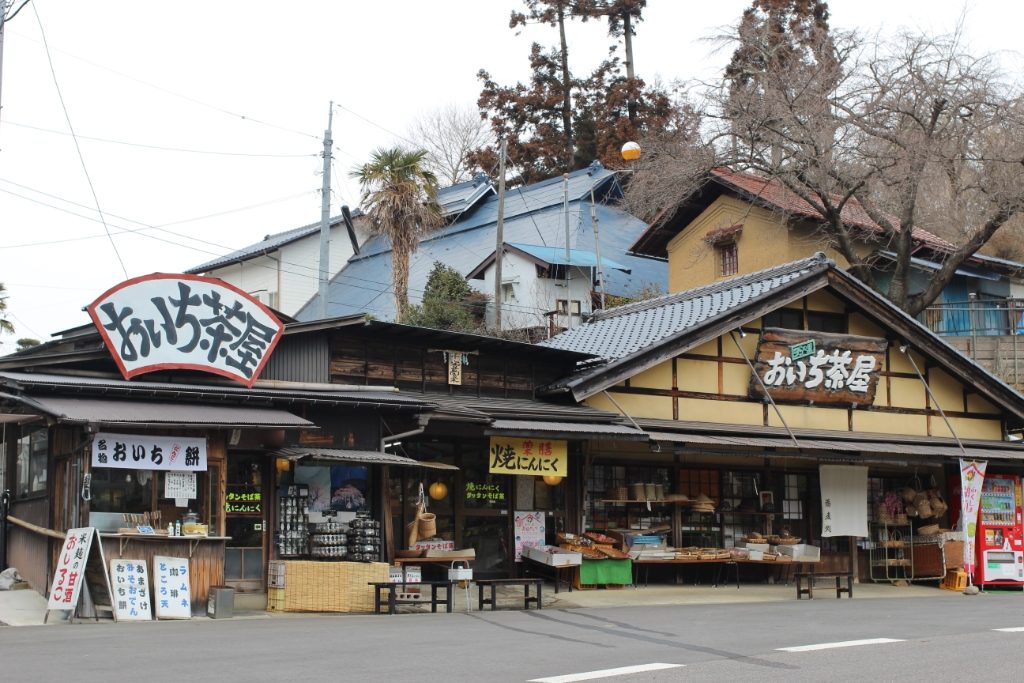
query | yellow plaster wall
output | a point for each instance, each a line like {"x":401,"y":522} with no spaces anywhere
{"x":658,"y":377}
{"x":727,"y":412}
{"x":967,"y":428}
{"x":749,"y":344}
{"x":698,"y":375}
{"x":976,"y":404}
{"x":706,"y":349}
{"x":906,"y":393}
{"x":947,"y":391}
{"x":889,"y":423}
{"x":823,"y":301}
{"x":657,"y":407}
{"x":735,"y":379}
{"x":862,"y":326}
{"x":810,"y":417}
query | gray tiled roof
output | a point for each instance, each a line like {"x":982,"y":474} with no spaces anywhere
{"x":620,"y":332}
{"x":459,"y":197}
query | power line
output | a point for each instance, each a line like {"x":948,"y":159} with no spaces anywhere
{"x":78,"y":149}
{"x":162,"y":147}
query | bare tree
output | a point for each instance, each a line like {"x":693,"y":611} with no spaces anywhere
{"x":448,"y":135}
{"x":872,"y":136}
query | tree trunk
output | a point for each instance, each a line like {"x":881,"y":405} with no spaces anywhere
{"x":627,"y":28}
{"x":566,"y":93}
{"x":400,"y":280}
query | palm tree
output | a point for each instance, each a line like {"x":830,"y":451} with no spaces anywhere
{"x":5,"y":324}
{"x":400,"y":197}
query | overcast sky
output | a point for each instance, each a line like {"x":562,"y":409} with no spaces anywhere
{"x":199,"y":124}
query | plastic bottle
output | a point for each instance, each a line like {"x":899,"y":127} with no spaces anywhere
{"x":177,"y":528}
{"x":170,"y":529}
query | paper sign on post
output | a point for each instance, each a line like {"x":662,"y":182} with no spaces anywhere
{"x":180,"y":485}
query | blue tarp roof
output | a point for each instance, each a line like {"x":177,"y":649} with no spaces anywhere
{"x":577,"y":257}
{"x":533,"y":215}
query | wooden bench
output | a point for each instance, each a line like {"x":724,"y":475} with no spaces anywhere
{"x":809,"y":577}
{"x":482,"y":584}
{"x":393,"y":600}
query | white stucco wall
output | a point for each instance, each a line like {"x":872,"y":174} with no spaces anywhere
{"x":532,"y":296}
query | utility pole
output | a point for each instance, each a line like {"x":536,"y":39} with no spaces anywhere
{"x":568,"y":252}
{"x":499,"y":249}
{"x":3,"y":20}
{"x":597,"y":243}
{"x":325,"y":215}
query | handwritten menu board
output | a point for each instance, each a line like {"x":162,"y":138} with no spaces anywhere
{"x":171,"y":592}
{"x":130,"y":579}
{"x":529,"y":531}
{"x":69,"y":574}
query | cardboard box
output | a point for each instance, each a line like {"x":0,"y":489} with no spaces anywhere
{"x":800,"y":552}
{"x":762,"y":547}
{"x":557,"y":557}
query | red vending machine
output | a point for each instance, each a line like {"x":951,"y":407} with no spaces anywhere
{"x":1000,"y":539}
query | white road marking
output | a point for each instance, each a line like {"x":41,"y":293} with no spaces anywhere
{"x":842,"y":643}
{"x":605,"y":673}
{"x":1014,"y":629}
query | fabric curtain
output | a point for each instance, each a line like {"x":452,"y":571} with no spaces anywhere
{"x":844,"y":500}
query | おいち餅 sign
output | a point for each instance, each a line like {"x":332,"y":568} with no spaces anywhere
{"x":796,"y":365}
{"x":146,"y":452}
{"x":516,"y":455}
{"x":166,"y":321}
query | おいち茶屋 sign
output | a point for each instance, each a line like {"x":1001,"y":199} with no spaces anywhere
{"x":796,"y":365}
{"x":146,"y":452}
{"x":164,"y":321}
{"x":539,"y":457}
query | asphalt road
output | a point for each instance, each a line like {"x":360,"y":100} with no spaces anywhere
{"x":935,"y":639}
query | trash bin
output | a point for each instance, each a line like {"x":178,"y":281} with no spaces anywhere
{"x":221,"y":604}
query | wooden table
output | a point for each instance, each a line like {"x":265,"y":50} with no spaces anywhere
{"x":493,"y":584}
{"x":722,"y":565}
{"x":531,"y":566}
{"x":393,"y":599}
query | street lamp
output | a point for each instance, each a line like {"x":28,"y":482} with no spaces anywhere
{"x":631,"y":151}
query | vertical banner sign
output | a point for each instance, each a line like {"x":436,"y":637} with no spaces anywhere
{"x":972,"y":476}
{"x":455,"y":361}
{"x":529,"y":531}
{"x":131,"y":596}
{"x":69,"y":574}
{"x":164,"y":321}
{"x":844,"y":494}
{"x":171,"y":588}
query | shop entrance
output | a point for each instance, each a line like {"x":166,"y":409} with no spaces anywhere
{"x":245,"y":521}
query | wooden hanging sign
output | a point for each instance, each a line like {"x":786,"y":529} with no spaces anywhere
{"x":798,"y":365}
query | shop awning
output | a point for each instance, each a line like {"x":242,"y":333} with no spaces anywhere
{"x":157,"y":414}
{"x":335,"y":455}
{"x":925,"y":447}
{"x":564,"y":430}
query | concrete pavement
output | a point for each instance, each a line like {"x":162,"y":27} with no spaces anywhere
{"x":27,"y":607}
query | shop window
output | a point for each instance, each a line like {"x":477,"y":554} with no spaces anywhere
{"x":31,"y":463}
{"x":826,"y":322}
{"x":787,"y":318}
{"x":118,"y":490}
{"x":610,"y":485}
{"x":562,"y":305}
{"x":728,"y":259}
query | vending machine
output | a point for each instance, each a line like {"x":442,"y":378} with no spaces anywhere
{"x":1000,"y":540}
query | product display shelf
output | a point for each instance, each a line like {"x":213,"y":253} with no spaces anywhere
{"x":293,"y":522}
{"x":892,"y":552}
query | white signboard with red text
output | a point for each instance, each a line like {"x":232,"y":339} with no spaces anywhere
{"x":69,"y":574}
{"x":166,"y":321}
{"x":149,"y":452}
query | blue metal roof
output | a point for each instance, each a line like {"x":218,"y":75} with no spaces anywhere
{"x":533,"y":215}
{"x":617,"y":333}
{"x":577,"y":257}
{"x":460,"y":197}
{"x":268,"y":244}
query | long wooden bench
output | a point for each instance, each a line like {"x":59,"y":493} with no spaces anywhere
{"x":809,"y":577}
{"x":393,"y":589}
{"x":482,"y":584}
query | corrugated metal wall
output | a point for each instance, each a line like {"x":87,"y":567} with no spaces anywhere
{"x":300,"y":358}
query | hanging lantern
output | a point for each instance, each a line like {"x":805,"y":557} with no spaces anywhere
{"x":552,"y":479}
{"x":283,"y":465}
{"x":438,"y":490}
{"x":631,"y":151}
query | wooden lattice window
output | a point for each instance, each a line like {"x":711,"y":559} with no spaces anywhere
{"x":728,"y":259}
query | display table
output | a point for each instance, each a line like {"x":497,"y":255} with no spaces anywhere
{"x":608,"y":572}
{"x":205,"y":556}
